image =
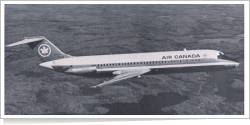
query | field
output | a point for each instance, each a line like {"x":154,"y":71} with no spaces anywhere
{"x":81,"y":30}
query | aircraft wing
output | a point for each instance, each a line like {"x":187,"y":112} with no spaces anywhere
{"x":123,"y":76}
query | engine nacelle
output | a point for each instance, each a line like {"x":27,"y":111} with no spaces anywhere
{"x":80,"y":70}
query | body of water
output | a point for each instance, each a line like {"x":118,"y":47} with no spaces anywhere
{"x":221,"y":79}
{"x":152,"y":105}
{"x":148,"y":105}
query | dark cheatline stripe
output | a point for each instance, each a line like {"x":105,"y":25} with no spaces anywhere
{"x":158,"y":63}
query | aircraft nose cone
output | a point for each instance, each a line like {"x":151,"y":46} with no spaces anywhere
{"x":237,"y":64}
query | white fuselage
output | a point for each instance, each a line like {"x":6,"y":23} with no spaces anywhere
{"x":163,"y":61}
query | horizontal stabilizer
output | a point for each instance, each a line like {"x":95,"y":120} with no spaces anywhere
{"x":25,"y":41}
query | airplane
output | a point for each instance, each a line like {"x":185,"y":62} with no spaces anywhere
{"x":125,"y":66}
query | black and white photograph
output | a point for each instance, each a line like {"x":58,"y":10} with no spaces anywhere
{"x":124,"y":59}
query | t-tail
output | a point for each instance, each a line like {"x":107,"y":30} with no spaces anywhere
{"x":46,"y":50}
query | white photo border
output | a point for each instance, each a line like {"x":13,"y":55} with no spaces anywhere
{"x":246,"y":59}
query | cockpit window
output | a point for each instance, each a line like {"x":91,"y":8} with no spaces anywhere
{"x":226,"y":57}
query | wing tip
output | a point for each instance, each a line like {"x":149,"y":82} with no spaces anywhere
{"x":8,"y":45}
{"x":94,"y":87}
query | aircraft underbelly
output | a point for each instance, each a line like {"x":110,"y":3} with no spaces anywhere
{"x":190,"y":69}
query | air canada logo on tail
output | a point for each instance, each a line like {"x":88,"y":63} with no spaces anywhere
{"x":44,"y":50}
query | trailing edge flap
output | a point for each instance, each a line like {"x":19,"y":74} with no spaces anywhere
{"x":60,"y":67}
{"x":25,"y":41}
{"x":123,"y":76}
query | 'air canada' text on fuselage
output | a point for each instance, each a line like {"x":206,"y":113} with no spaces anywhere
{"x":182,"y":56}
